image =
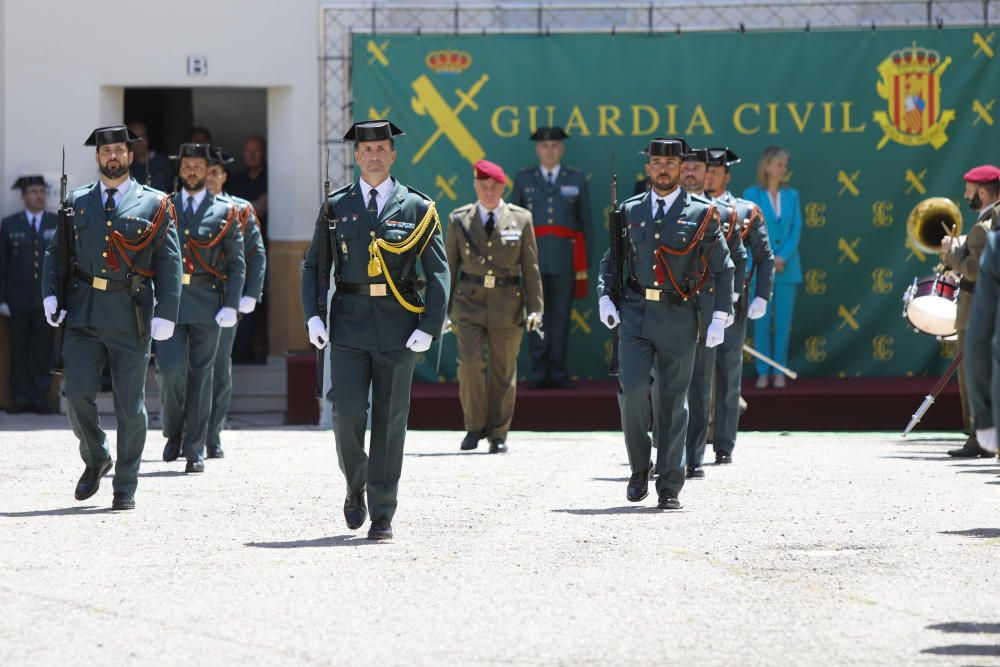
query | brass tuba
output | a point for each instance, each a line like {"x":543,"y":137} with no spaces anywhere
{"x":930,"y":221}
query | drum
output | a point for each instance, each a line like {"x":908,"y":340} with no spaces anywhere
{"x":930,"y":305}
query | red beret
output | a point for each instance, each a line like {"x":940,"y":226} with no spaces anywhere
{"x":986,"y":173}
{"x":485,"y":169}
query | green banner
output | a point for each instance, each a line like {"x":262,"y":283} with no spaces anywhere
{"x":875,"y":122}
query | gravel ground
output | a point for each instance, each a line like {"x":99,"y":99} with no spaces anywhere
{"x":813,"y":548}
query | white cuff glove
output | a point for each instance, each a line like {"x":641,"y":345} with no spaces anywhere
{"x":226,"y":317}
{"x":4,"y":310}
{"x":317,"y":332}
{"x":49,"y":304}
{"x":448,"y":326}
{"x":730,"y":318}
{"x":161,"y":329}
{"x":533,"y":322}
{"x":419,"y":341}
{"x":736,"y":297}
{"x":247,"y":304}
{"x":987,"y":438}
{"x":717,"y":329}
{"x":609,"y":314}
{"x":757,"y":308}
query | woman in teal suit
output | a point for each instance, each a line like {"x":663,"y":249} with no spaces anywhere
{"x":783,"y":212}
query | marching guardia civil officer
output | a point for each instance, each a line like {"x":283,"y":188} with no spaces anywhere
{"x":670,"y":236}
{"x":746,"y":234}
{"x":214,"y":271}
{"x":982,"y":191}
{"x":23,"y":239}
{"x":376,"y":232}
{"x":982,"y":344}
{"x":496,"y":293}
{"x":253,"y":287}
{"x":559,"y":200}
{"x":125,"y":251}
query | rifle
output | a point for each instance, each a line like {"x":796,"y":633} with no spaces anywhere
{"x":931,"y":397}
{"x":616,"y":256}
{"x":323,"y":275}
{"x":64,"y":266}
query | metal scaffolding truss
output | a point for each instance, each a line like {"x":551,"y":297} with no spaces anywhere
{"x":339,"y":21}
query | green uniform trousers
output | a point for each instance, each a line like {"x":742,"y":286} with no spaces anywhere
{"x":184,"y":370}
{"x":222,"y":386}
{"x":390,"y":376}
{"x":487,"y":388}
{"x":548,"y":355}
{"x":30,"y":359}
{"x":963,"y":389}
{"x":673,"y":362}
{"x":728,"y":375}
{"x":85,"y":353}
{"x":699,"y":404}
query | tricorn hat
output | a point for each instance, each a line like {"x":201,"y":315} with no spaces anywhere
{"x":696,"y":155}
{"x":194,"y":150}
{"x":549,"y":134}
{"x":671,"y":147}
{"x":220,"y":156}
{"x":113,"y":134}
{"x":722,"y":157}
{"x":372,"y":130}
{"x":24,"y":182}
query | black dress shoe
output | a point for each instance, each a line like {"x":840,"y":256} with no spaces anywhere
{"x":123,"y":501}
{"x":172,"y":449}
{"x":638,"y":486}
{"x":970,"y":450}
{"x":195,"y":466}
{"x":90,"y":480}
{"x":498,"y":446}
{"x":668,"y":501}
{"x":355,"y":511}
{"x":471,"y":440}
{"x":695,"y":472}
{"x":381,"y":529}
{"x":723,"y":458}
{"x":215,"y":452}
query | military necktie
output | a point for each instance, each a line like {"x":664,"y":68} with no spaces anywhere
{"x":109,"y":204}
{"x":490,"y":224}
{"x":551,"y":178}
{"x":189,"y":211}
{"x":373,"y":204}
{"x":660,"y":212}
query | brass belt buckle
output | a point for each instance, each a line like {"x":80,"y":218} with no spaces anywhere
{"x":186,"y":279}
{"x":100,"y":283}
{"x":377,"y":289}
{"x":489,"y":282}
{"x":652,"y":294}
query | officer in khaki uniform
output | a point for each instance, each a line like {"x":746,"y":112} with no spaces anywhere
{"x":962,"y":256}
{"x":23,"y":239}
{"x":983,"y":344}
{"x":375,"y":232}
{"x":674,"y":247}
{"x":214,"y":271}
{"x":496,"y":292}
{"x":253,"y":287}
{"x":125,"y":248}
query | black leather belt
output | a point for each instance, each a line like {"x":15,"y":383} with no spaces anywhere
{"x":967,"y":285}
{"x":376,"y":289}
{"x":490,"y":281}
{"x":103,"y":284}
{"x":197,"y":279}
{"x":654,"y":293}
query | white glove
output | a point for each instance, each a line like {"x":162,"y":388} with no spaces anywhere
{"x":757,"y":308}
{"x":317,"y":332}
{"x":4,"y":310}
{"x":609,"y":314}
{"x":49,"y":304}
{"x":717,"y":329}
{"x":736,"y":297}
{"x":226,"y":317}
{"x":534,"y":322}
{"x":161,"y":329}
{"x":987,"y":438}
{"x":730,"y":318}
{"x":247,"y":304}
{"x":447,"y":326}
{"x":419,"y":341}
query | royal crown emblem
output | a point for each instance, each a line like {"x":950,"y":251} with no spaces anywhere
{"x":911,"y":86}
{"x":448,"y":61}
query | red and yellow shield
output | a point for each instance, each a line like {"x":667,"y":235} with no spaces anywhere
{"x":911,"y":87}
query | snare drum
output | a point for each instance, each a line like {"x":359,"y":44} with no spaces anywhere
{"x":931,"y":304}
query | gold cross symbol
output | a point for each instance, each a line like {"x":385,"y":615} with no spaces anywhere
{"x":848,"y":182}
{"x":915,"y":252}
{"x":429,"y":102}
{"x":378,"y":52}
{"x":447,"y":187}
{"x":580,"y":321}
{"x":848,"y":250}
{"x":916,"y":181}
{"x":983,"y":112}
{"x":983,"y":44}
{"x":848,"y":316}
{"x":375,"y":114}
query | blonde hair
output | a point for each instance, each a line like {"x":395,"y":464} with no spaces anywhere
{"x":770,"y":153}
